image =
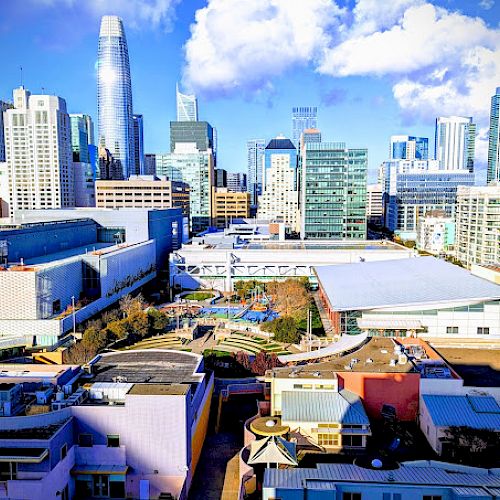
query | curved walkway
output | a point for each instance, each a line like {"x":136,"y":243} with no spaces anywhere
{"x":346,"y":343}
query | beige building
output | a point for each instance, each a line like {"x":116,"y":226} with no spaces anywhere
{"x":374,"y":205}
{"x":143,"y":192}
{"x":478,"y":225}
{"x":227,"y":205}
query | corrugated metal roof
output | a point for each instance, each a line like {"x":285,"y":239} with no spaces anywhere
{"x":469,"y":492}
{"x":403,"y":282}
{"x":323,"y":406}
{"x":446,"y":411}
{"x":410,"y":475}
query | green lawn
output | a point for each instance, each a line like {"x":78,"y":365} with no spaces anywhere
{"x":198,"y":296}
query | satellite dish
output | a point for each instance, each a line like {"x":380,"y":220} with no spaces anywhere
{"x":270,"y":423}
{"x":377,"y":463}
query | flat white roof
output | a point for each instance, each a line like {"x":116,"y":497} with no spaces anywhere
{"x":403,"y":282}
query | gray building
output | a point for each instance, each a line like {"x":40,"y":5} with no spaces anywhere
{"x":255,"y":168}
{"x":138,"y":145}
{"x":150,"y":164}
{"x":200,"y":133}
{"x":3,"y":107}
{"x":236,"y":182}
{"x":220,"y":178}
{"x":303,"y":118}
{"x":494,"y":140}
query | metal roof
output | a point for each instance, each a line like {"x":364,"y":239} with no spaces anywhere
{"x":280,"y":143}
{"x":479,"y":412}
{"x":406,"y":475}
{"x":404,"y":282}
{"x":343,"y":407}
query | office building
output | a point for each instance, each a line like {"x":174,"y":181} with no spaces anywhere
{"x":310,"y":135}
{"x":455,"y":143}
{"x":255,"y":166}
{"x":227,"y":206}
{"x":143,"y":192}
{"x":279,"y":201}
{"x":424,"y":297}
{"x":4,"y":190}
{"x":407,"y":147}
{"x":135,"y":430}
{"x":220,"y":178}
{"x":478,"y":225}
{"x":114,"y":94}
{"x":3,"y":107}
{"x":436,"y":233}
{"x":196,"y":168}
{"x":374,"y":204}
{"x":109,"y":168}
{"x":414,"y":187}
{"x":150,"y":164}
{"x":493,"y":173}
{"x":236,"y":182}
{"x":138,"y":145}
{"x":38,"y":152}
{"x":187,"y":106}
{"x":90,"y":257}
{"x":82,"y":135}
{"x":303,"y":118}
{"x":200,"y":133}
{"x":333,"y":191}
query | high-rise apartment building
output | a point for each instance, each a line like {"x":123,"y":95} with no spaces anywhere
{"x":236,"y":182}
{"x":3,"y":106}
{"x":82,"y":135}
{"x":199,"y":133}
{"x":408,"y":147}
{"x":114,"y":94}
{"x":414,"y":187}
{"x":478,"y":225}
{"x":255,"y":166}
{"x":436,"y":233}
{"x":220,"y":178}
{"x":138,"y":144}
{"x":38,"y":152}
{"x":228,"y":206}
{"x":374,"y":204}
{"x":303,"y":118}
{"x":150,"y":164}
{"x":455,"y":143}
{"x":493,"y":173}
{"x":333,"y":191}
{"x":279,"y":201}
{"x":187,"y":106}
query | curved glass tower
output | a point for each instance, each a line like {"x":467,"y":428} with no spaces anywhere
{"x":114,"y":94}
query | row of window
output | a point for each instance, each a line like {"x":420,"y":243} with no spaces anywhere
{"x":481,"y":330}
{"x":87,"y":440}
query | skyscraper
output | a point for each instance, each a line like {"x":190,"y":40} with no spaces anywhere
{"x":114,"y":94}
{"x":187,"y":106}
{"x":38,"y":152}
{"x":407,"y":147}
{"x":199,"y":133}
{"x":302,"y":119}
{"x":82,"y":135}
{"x":236,"y":182}
{"x":138,"y":145}
{"x":3,"y":106}
{"x":494,"y":141}
{"x":455,"y":142}
{"x":255,"y":155}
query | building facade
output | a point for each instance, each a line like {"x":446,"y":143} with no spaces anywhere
{"x":236,"y":182}
{"x":142,"y":192}
{"x":200,"y":133}
{"x":333,"y":191}
{"x":228,"y":205}
{"x":280,"y":198}
{"x":3,"y":107}
{"x":138,"y":145}
{"x":478,"y":225}
{"x":187,"y":106}
{"x":455,"y":143}
{"x":255,"y":166}
{"x":407,"y":147}
{"x":38,"y":151}
{"x":493,"y":173}
{"x":436,"y":233}
{"x":303,"y":118}
{"x":374,"y":204}
{"x":150,"y":164}
{"x":220,"y":178}
{"x":114,"y":94}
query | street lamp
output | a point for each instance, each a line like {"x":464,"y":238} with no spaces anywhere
{"x":74,"y":314}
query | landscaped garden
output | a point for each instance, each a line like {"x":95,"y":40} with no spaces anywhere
{"x":198,"y":296}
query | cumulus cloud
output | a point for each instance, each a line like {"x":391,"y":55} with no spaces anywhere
{"x":437,"y":61}
{"x":486,"y":4}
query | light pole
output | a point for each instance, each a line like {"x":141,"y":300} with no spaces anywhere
{"x":74,"y":314}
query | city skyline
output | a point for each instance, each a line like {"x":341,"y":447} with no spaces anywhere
{"x":361,"y":106}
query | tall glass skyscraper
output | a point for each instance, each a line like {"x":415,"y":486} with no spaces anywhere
{"x":114,"y":94}
{"x":255,"y":165}
{"x":138,"y":144}
{"x":407,"y":147}
{"x":302,"y":119}
{"x":187,"y":106}
{"x":494,"y":141}
{"x":455,"y":142}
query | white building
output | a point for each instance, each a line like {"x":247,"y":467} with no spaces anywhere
{"x":455,"y":142}
{"x":280,"y":197}
{"x":478,"y":225}
{"x":436,"y":233}
{"x":38,"y":152}
{"x":187,"y":106}
{"x":374,"y":204}
{"x":3,"y":106}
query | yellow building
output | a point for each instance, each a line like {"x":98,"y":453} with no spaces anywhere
{"x":143,"y":192}
{"x":227,"y":206}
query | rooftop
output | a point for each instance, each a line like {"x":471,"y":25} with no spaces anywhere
{"x":159,"y":389}
{"x":404,"y":282}
{"x":31,"y":432}
{"x":280,"y":143}
{"x":479,"y":412}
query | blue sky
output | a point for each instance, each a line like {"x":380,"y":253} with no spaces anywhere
{"x":374,"y":68}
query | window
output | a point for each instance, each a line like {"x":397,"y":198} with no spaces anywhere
{"x":8,"y":471}
{"x":351,"y":496}
{"x":56,"y":306}
{"x":452,"y":329}
{"x":85,"y":440}
{"x":64,"y":451}
{"x":432,"y":497}
{"x":328,"y":439}
{"x":483,"y":330}
{"x":113,"y":440}
{"x":352,"y":440}
{"x":391,"y":496}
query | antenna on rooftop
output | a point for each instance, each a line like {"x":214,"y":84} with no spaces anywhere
{"x":21,"y":71}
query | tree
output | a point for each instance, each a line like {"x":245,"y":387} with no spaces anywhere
{"x":264,"y":362}
{"x":290,"y":297}
{"x":158,"y":321}
{"x":285,"y":329}
{"x":130,"y":305}
{"x":474,"y":446}
{"x":80,"y":353}
{"x":242,"y":359}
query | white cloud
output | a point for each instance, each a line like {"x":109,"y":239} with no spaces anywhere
{"x":486,"y":4}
